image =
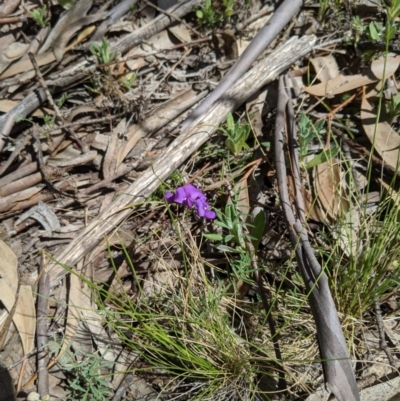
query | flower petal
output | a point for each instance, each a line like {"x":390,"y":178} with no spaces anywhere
{"x":209,"y":214}
{"x":180,"y":195}
{"x":193,"y":194}
{"x":200,"y":207}
{"x":170,"y":197}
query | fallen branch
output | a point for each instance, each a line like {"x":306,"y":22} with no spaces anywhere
{"x":338,"y":372}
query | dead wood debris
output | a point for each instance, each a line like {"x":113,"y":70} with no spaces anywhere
{"x":98,"y":106}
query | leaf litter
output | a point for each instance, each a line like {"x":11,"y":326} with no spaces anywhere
{"x":124,"y":78}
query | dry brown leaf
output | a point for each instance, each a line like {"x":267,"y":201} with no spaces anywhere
{"x":83,"y":108}
{"x":181,"y":32}
{"x":26,"y":65}
{"x":384,"y":139}
{"x":77,"y":11}
{"x":329,"y":188}
{"x":25,"y":318}
{"x":254,"y":109}
{"x":326,"y":67}
{"x":8,"y":7}
{"x":9,"y":276}
{"x":82,"y":36}
{"x":345,"y":83}
{"x":13,"y":52}
{"x":160,"y":41}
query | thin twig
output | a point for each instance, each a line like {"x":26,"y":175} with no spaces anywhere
{"x":43,"y":84}
{"x":41,"y":329}
{"x":43,"y":168}
{"x":381,"y":330}
{"x":172,"y":16}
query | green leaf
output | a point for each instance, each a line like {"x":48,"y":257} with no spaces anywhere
{"x":373,"y":33}
{"x":225,"y":248}
{"x":258,"y":229}
{"x":230,"y":122}
{"x":228,"y":238}
{"x":323,"y":157}
{"x":67,"y":4}
{"x":213,"y":237}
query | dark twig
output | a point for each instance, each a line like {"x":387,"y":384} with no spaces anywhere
{"x":43,"y":169}
{"x":41,"y":329}
{"x":50,"y":99}
{"x":19,"y":146}
{"x":338,"y":371}
{"x":381,"y":330}
{"x":13,"y":20}
{"x":172,"y":16}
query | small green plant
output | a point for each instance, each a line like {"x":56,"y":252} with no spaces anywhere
{"x":309,"y":132}
{"x":39,"y":16}
{"x":233,"y":239}
{"x":86,"y":383}
{"x":237,"y":134}
{"x":375,"y":31}
{"x":129,"y":81}
{"x":66,"y":4}
{"x":48,"y":120}
{"x":228,"y":5}
{"x":102,"y":52}
{"x":392,"y":108}
{"x":64,"y":97}
{"x":207,"y":15}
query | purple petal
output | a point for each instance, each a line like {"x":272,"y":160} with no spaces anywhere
{"x":200,"y":208}
{"x":170,"y":197}
{"x":193,"y":194}
{"x":203,"y":210}
{"x":209,"y":214}
{"x":180,"y":195}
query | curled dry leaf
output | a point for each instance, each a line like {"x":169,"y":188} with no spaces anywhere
{"x":8,"y":276}
{"x":13,"y":52}
{"x":8,"y":7}
{"x":181,"y":32}
{"x":345,"y":83}
{"x":78,"y":10}
{"x":24,"y":317}
{"x":384,"y":139}
{"x":325,"y":67}
{"x":330,"y":188}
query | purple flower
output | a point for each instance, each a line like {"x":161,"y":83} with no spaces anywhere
{"x":190,"y":196}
